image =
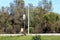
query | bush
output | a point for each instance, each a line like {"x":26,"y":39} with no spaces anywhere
{"x":31,"y":29}
{"x":36,"y":38}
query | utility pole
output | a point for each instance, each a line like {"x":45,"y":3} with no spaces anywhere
{"x":28,"y":19}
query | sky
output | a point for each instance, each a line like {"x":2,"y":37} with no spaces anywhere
{"x":56,"y":4}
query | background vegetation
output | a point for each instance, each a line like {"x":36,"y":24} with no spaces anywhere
{"x":42,"y":18}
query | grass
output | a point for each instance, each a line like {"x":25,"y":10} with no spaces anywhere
{"x":50,"y":37}
{"x":29,"y":38}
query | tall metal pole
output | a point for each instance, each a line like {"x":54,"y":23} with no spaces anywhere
{"x":28,"y":19}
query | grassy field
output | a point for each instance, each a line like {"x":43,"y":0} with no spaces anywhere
{"x":29,"y":38}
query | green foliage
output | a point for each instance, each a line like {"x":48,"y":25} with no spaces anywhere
{"x":7,"y":24}
{"x":36,"y":38}
{"x":9,"y":28}
{"x":31,"y":29}
{"x":42,"y":19}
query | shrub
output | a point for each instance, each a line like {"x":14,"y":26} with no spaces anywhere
{"x":36,"y":38}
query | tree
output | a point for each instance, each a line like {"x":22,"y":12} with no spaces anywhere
{"x":11,"y":9}
{"x":18,"y":14}
{"x":47,"y":5}
{"x":50,"y":21}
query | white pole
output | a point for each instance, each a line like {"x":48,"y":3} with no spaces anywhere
{"x":28,"y":19}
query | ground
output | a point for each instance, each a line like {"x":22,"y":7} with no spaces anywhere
{"x":29,"y":38}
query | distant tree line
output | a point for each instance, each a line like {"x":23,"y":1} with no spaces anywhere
{"x":42,"y":19}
